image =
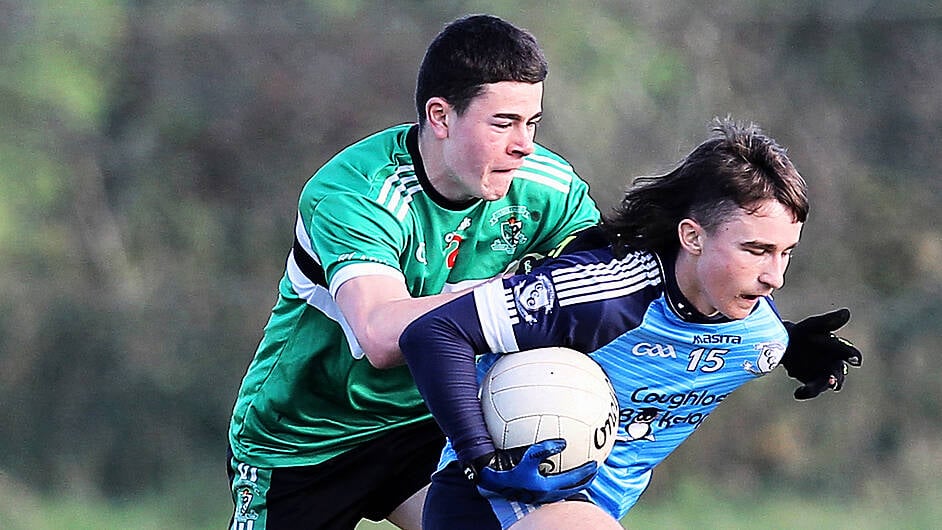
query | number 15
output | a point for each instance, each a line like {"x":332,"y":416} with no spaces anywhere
{"x":708,"y":361}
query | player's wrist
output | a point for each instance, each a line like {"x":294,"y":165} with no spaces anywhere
{"x":471,"y":469}
{"x":494,"y":459}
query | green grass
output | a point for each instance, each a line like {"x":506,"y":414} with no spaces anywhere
{"x":696,"y":505}
{"x":687,"y":505}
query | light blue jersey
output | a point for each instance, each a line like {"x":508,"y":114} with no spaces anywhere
{"x":669,"y":375}
{"x":670,"y":366}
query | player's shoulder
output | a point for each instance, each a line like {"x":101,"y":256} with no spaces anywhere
{"x":602,"y":260}
{"x":377,"y":166}
{"x":383,"y":144}
{"x":544,"y":154}
{"x":766,"y":314}
{"x":546,"y":169}
{"x":589,"y":287}
{"x":598,"y":273}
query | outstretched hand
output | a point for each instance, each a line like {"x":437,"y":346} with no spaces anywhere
{"x":816,"y":356}
{"x":522,"y":480}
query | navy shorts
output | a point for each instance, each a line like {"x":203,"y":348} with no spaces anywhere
{"x":454,"y":503}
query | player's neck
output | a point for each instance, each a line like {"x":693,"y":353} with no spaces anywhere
{"x":686,"y":277}
{"x":445,"y":185}
{"x":439,"y":177}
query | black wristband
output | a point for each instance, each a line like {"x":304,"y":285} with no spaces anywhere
{"x":471,"y":469}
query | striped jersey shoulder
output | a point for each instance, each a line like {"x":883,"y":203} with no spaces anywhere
{"x":385,"y":161}
{"x":548,"y":169}
{"x":378,"y":168}
{"x":589,"y":280}
{"x":395,"y":191}
{"x":582,"y":277}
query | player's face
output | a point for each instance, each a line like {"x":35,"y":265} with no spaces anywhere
{"x":743,"y":259}
{"x":486,"y":144}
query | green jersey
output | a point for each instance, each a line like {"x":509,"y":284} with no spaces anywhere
{"x":309,"y":394}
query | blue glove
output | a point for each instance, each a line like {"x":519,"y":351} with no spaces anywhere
{"x":519,"y":478}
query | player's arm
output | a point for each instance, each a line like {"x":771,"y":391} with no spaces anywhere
{"x":355,"y":243}
{"x":517,"y":313}
{"x":378,"y":308}
{"x":440,"y":348}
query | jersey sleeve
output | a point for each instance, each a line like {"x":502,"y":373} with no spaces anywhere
{"x":347,"y":228}
{"x":440,"y":349}
{"x":581,"y":301}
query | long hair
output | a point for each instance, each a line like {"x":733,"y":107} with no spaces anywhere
{"x":474,"y":51}
{"x":738,"y":167}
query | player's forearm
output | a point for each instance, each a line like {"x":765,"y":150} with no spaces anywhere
{"x":377,"y":308}
{"x":440,"y":349}
{"x":379,"y":337}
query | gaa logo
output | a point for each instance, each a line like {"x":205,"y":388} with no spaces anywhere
{"x":644,"y":349}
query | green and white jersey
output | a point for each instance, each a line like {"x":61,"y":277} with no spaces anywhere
{"x":309,"y":394}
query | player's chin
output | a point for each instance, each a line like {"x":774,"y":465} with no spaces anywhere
{"x":741,"y":307}
{"x":497,"y":184}
{"x":497,"y":187}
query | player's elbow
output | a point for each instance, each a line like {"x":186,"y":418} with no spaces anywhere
{"x":382,"y":354}
{"x":384,"y":361}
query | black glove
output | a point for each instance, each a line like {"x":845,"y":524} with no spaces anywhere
{"x":816,"y":356}
{"x":516,"y":475}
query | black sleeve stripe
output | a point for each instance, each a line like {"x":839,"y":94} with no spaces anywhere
{"x":307,"y":265}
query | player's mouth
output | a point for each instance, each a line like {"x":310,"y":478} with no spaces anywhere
{"x":753,"y":298}
{"x":506,"y":169}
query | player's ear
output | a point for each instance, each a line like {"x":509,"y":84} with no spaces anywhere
{"x":690,"y":234}
{"x":437,"y":111}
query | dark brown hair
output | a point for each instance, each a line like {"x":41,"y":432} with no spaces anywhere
{"x":738,"y":167}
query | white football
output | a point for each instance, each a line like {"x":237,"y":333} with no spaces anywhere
{"x":546,"y":393}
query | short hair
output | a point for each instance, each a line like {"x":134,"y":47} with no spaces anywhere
{"x":738,"y":167}
{"x":474,"y":51}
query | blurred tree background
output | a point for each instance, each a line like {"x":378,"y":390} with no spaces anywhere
{"x":151,"y":154}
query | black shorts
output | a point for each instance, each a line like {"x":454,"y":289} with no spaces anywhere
{"x":367,"y":482}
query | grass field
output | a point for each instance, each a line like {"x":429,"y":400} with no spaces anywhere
{"x":690,"y":505}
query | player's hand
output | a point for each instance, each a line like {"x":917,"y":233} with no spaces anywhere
{"x":518,"y":477}
{"x":816,"y":356}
